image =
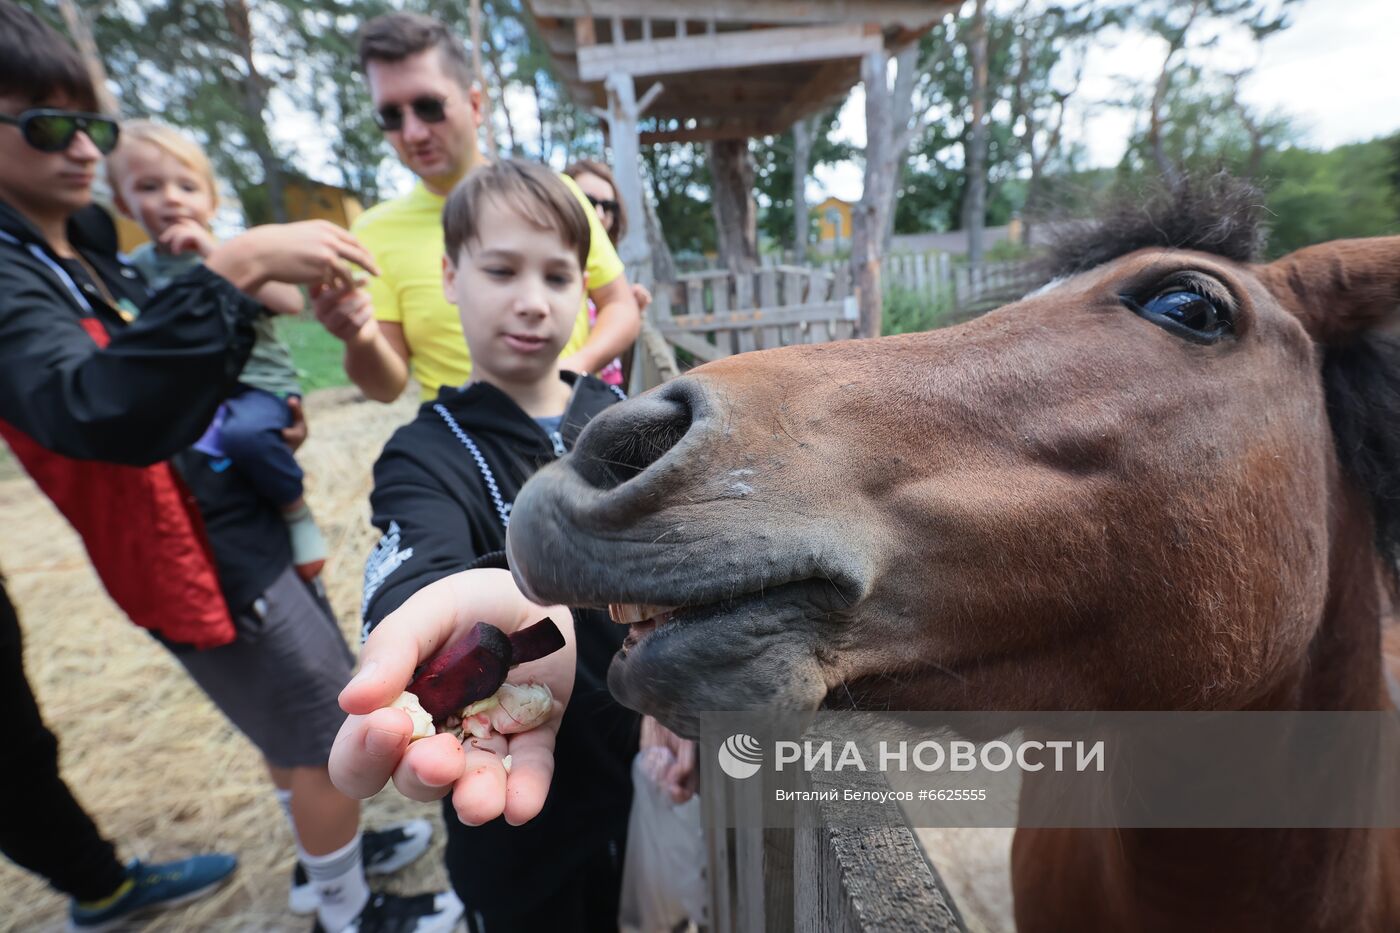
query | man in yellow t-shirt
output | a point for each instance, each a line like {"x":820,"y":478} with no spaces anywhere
{"x":429,"y":107}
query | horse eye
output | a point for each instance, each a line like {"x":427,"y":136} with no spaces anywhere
{"x":1188,"y":313}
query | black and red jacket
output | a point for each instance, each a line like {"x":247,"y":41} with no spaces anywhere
{"x":94,"y":405}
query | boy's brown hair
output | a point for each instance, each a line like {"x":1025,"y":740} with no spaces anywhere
{"x":532,"y":191}
{"x":393,"y":37}
{"x":37,"y":64}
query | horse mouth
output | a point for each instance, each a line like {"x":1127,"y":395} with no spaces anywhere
{"x":650,"y":622}
{"x":641,"y":619}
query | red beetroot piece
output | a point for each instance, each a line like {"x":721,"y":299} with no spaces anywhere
{"x":466,"y":671}
{"x":535,"y":641}
{"x":475,"y":667}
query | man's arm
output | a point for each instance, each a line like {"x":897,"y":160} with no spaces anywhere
{"x":281,"y":298}
{"x":619,"y":322}
{"x":376,"y":353}
{"x":378,"y":362}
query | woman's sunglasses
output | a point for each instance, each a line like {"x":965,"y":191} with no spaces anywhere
{"x":609,"y":206}
{"x":427,"y":109}
{"x":53,"y":130}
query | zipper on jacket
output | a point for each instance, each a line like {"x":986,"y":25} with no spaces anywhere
{"x":557,"y":440}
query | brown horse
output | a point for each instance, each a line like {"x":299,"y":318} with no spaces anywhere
{"x":1159,"y":484}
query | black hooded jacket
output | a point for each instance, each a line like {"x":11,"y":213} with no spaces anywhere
{"x":149,"y":394}
{"x":154,"y":389}
{"x":438,"y":515}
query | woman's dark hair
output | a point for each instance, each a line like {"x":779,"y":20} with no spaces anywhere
{"x":38,"y":64}
{"x":589,"y":167}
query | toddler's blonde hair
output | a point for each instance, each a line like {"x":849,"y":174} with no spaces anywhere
{"x":169,"y":140}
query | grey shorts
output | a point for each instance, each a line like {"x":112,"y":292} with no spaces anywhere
{"x":278,"y":681}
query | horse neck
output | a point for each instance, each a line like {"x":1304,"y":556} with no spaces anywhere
{"x":1319,"y":880}
{"x":1342,"y":667}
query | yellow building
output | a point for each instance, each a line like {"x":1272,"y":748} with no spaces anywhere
{"x":833,"y":223}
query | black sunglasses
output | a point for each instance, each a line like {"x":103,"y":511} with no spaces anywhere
{"x":609,"y":206}
{"x":427,"y":109}
{"x":53,"y":130}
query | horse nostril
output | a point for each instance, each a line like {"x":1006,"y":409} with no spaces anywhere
{"x":626,"y":439}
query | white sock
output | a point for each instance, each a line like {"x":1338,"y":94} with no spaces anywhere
{"x":339,"y":880}
{"x":284,"y":800}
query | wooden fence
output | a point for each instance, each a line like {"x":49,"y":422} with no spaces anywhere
{"x":968,"y":290}
{"x":712,"y":314}
{"x":838,"y":872}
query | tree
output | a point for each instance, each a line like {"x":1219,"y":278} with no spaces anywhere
{"x":975,"y":144}
{"x":1186,"y":27}
{"x":678,"y":175}
{"x":736,"y":213}
{"x":782,"y":165}
{"x":1047,"y":56}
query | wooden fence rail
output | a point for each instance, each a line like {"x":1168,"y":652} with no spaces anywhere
{"x":712,"y":314}
{"x":835,"y":873}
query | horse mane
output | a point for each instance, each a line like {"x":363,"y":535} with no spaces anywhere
{"x":1219,"y":214}
{"x":1215,"y":213}
{"x":1362,"y":382}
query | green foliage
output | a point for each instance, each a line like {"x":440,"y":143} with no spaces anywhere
{"x":909,"y":312}
{"x":1025,"y":47}
{"x":679,"y":175}
{"x":773,"y":165}
{"x":1351,"y":191}
{"x":1006,"y":251}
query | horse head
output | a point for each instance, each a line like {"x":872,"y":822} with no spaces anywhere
{"x":1140,"y":487}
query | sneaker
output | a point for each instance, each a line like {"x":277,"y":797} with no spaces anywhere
{"x":394,"y":913}
{"x":151,"y":887}
{"x":382,"y":851}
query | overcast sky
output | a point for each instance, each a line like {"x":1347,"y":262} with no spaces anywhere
{"x":1335,"y":71}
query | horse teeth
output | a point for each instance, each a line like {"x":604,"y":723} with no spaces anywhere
{"x":631,"y":613}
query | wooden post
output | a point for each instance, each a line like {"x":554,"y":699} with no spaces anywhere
{"x":868,"y":216}
{"x":491,"y":147}
{"x":803,"y":134}
{"x":623,"y":113}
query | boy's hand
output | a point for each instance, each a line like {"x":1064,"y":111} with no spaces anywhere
{"x":345,"y":313}
{"x":373,"y":744}
{"x":187,"y":236}
{"x":306,"y":253}
{"x":641,"y":295}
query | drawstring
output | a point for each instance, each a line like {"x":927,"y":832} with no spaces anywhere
{"x":502,"y":506}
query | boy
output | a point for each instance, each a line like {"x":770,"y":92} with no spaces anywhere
{"x":164,"y":181}
{"x":517,"y":243}
{"x":93,"y":401}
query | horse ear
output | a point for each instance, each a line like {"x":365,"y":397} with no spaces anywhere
{"x":1342,"y":289}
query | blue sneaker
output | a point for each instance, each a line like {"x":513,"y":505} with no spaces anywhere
{"x":152,"y":887}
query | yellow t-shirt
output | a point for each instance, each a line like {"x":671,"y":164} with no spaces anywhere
{"x":405,"y":237}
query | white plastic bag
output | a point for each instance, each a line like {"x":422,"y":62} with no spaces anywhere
{"x":663,"y":877}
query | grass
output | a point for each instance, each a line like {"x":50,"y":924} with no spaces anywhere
{"x":318,"y":356}
{"x":909,"y":312}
